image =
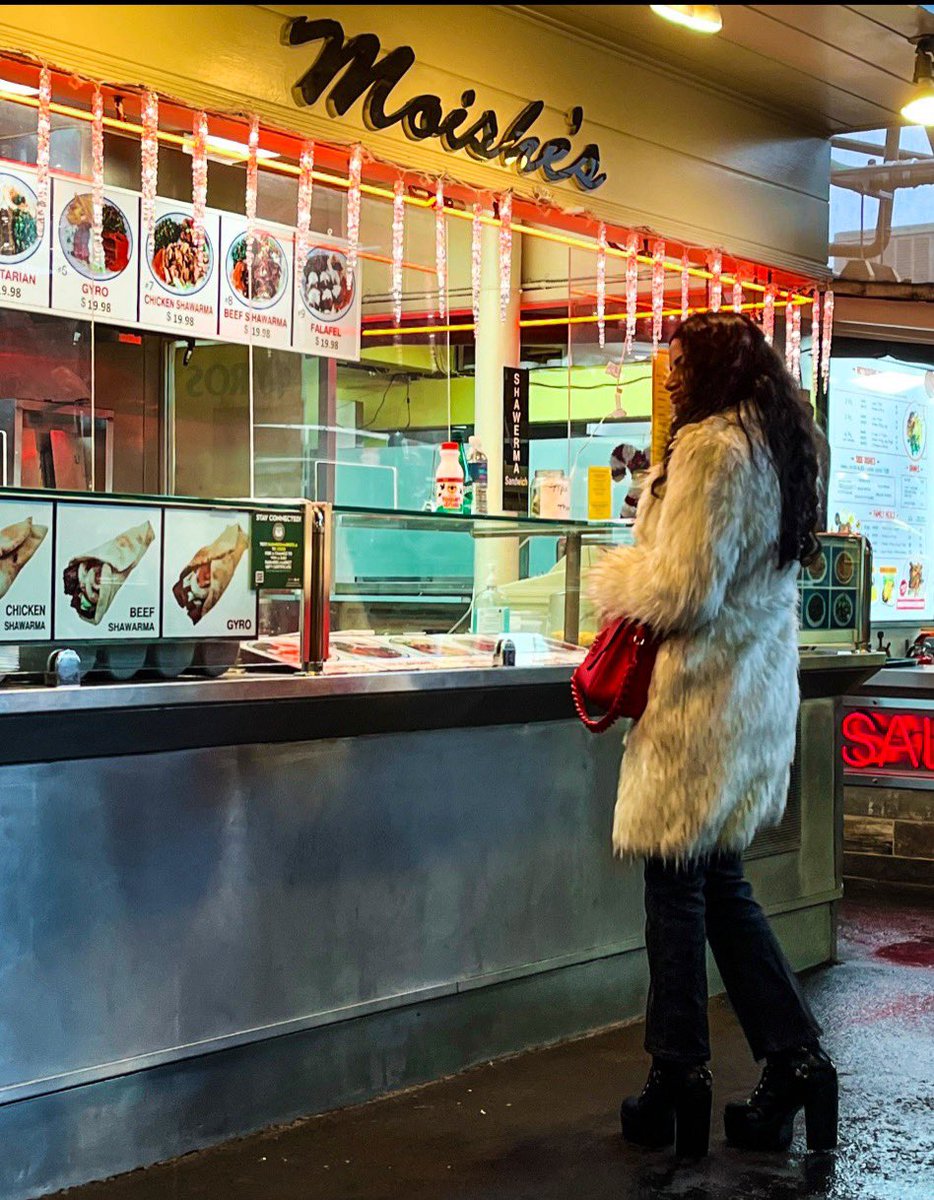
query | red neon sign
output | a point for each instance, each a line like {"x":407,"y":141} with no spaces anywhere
{"x":893,"y":743}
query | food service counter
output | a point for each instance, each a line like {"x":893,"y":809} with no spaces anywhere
{"x":228,"y":903}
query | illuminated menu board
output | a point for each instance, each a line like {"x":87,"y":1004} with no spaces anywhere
{"x":881,"y":486}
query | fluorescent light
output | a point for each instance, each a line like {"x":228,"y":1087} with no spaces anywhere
{"x":229,"y":149}
{"x":17,"y":89}
{"x":920,"y":110}
{"x":701,"y":18}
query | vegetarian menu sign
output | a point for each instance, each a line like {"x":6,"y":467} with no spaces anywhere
{"x":881,"y":484}
{"x":103,"y":571}
{"x":224,"y":289}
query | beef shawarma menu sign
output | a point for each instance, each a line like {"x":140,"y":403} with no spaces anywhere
{"x":106,"y":571}
{"x":163,"y":281}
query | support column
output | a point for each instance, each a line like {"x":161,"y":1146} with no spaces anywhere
{"x":497,"y":343}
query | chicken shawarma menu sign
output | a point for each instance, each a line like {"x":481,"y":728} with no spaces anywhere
{"x":114,"y":571}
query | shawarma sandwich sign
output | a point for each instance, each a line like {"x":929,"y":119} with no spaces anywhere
{"x":346,"y":70}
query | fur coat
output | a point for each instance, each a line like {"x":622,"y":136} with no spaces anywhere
{"x":709,"y":761}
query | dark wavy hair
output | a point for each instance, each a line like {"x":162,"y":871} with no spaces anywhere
{"x":728,"y":366}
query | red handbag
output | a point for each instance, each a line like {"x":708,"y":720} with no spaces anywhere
{"x":614,"y":678}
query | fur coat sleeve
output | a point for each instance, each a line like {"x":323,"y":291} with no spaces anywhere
{"x":687,"y":541}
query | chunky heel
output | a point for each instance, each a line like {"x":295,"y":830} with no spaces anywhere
{"x":692,"y":1125}
{"x":820,"y":1116}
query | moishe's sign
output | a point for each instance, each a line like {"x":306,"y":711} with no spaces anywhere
{"x":347,"y":70}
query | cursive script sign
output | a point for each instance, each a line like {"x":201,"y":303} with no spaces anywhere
{"x":361,"y":75}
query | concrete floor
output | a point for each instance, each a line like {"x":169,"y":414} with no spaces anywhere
{"x":543,"y":1125}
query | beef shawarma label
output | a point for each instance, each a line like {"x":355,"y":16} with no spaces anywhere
{"x":256,"y":292}
{"x":107,"y":572}
{"x":206,"y":581}
{"x":25,"y":571}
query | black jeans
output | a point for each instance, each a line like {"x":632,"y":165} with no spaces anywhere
{"x":709,"y":900}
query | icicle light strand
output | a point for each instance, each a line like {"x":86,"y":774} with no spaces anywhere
{"x":476,"y":263}
{"x":306,"y":166}
{"x":789,"y":325}
{"x":199,"y":177}
{"x":716,"y":283}
{"x":97,"y":182}
{"x":353,"y":208}
{"x":601,"y":285}
{"x":252,"y":185}
{"x":768,"y":314}
{"x":826,"y":338}
{"x":398,"y":248}
{"x":685,"y":287}
{"x":737,"y":291}
{"x":658,"y":293}
{"x":441,"y":251}
{"x":149,"y":160}
{"x":632,"y":291}
{"x":43,"y":144}
{"x":796,"y":343}
{"x":505,"y":254}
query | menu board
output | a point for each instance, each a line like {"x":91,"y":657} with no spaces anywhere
{"x":25,"y":570}
{"x":160,"y":281}
{"x":326,"y":319}
{"x":256,"y":297}
{"x":178,"y":281}
{"x":107,"y":572}
{"x":107,"y":288}
{"x":206,"y":588}
{"x":24,"y":254}
{"x":881,"y":415}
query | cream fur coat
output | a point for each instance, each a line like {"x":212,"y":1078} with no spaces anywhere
{"x":709,"y":761}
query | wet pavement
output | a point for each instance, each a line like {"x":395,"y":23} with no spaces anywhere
{"x":543,"y":1125}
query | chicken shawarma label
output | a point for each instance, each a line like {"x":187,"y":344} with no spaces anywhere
{"x":25,"y":571}
{"x":178,"y":278}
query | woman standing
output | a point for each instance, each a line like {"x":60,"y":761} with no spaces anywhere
{"x":721,"y":530}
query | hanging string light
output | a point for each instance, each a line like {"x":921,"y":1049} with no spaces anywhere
{"x":796,"y":342}
{"x":826,"y":338}
{"x":658,"y":292}
{"x":441,"y":251}
{"x":43,"y":144}
{"x":252,"y":186}
{"x":789,"y":338}
{"x":601,"y":285}
{"x":306,"y":166}
{"x":716,"y":283}
{"x":199,"y":177}
{"x":737,"y":290}
{"x":476,"y":263}
{"x":768,"y":313}
{"x":353,"y":208}
{"x":398,"y":247}
{"x":685,"y":287}
{"x":505,"y":254}
{"x":815,"y":336}
{"x":632,"y":290}
{"x":97,"y":181}
{"x":149,"y":160}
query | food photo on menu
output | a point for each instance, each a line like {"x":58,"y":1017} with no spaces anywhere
{"x":206,"y":576}
{"x":92,"y":580}
{"x":327,"y":284}
{"x":268,"y":271}
{"x":18,"y":543}
{"x":75,"y":228}
{"x":18,"y":230}
{"x":175,"y":260}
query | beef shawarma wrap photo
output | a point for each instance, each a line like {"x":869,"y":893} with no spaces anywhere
{"x":92,"y":580}
{"x":207,"y":575}
{"x":18,"y":543}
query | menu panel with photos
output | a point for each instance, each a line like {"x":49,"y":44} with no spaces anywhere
{"x":105,"y":285}
{"x":24,"y":250}
{"x":881,"y":485}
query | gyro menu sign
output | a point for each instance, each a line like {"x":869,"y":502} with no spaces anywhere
{"x":206,"y":587}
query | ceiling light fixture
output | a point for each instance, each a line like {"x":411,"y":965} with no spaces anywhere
{"x":920,"y":108}
{"x":702,"y":18}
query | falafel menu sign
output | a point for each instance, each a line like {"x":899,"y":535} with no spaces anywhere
{"x":164,"y":280}
{"x":104,"y":571}
{"x":423,"y":116}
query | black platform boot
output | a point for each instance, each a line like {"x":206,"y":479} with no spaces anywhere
{"x":802,"y":1078}
{"x":674,"y":1107}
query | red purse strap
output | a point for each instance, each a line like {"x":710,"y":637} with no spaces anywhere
{"x":595,"y":724}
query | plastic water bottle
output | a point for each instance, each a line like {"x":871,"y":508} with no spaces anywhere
{"x":478,"y":466}
{"x":490,"y":610}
